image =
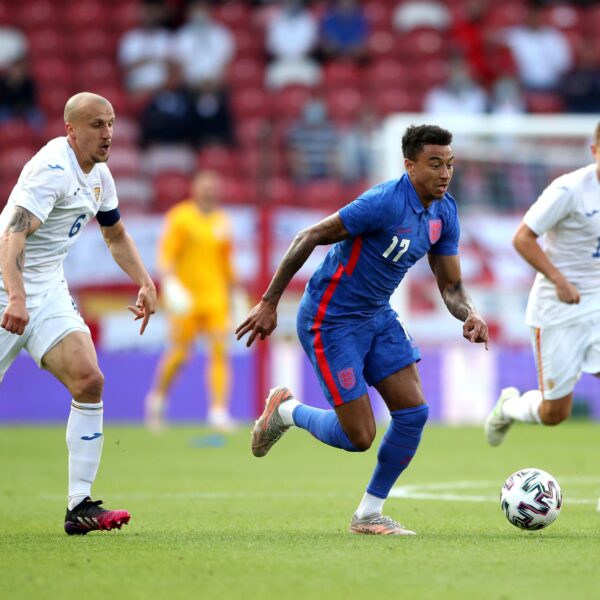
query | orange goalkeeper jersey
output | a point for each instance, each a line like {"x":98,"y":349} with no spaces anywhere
{"x":197,"y":248}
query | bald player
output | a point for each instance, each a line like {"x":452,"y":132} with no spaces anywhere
{"x":63,"y":187}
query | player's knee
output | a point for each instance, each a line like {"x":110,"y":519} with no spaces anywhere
{"x":88,"y":386}
{"x":554,"y":415}
{"x":362,"y":440}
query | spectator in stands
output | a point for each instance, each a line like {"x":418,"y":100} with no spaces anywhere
{"x":144,"y":51}
{"x":18,"y":94}
{"x":459,"y":95}
{"x":421,"y":13}
{"x":472,"y":39}
{"x":292,"y":38}
{"x":213,"y":115}
{"x":580,"y":88}
{"x":541,"y":52}
{"x":356,"y":147}
{"x":344,"y":31}
{"x":170,"y":117}
{"x":13,"y":46}
{"x":506,"y":97}
{"x":312,"y":145}
{"x":203,"y":47}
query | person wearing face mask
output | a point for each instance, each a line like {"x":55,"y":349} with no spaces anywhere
{"x":313,"y":144}
{"x":203,"y":47}
{"x":291,"y":39}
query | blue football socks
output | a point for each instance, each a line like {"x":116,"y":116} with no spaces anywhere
{"x":397,"y":449}
{"x":324,"y":425}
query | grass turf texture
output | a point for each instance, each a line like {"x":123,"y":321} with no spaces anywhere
{"x":211,"y":521}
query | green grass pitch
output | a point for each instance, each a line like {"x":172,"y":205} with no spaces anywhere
{"x":211,"y":521}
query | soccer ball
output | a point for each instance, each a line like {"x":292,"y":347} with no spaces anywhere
{"x":531,"y":499}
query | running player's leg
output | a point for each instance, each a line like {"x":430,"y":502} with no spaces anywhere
{"x":73,"y":362}
{"x":560,"y":355}
{"x":337,"y":356}
{"x":182,"y":332}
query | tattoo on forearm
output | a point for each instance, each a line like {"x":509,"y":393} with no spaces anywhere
{"x":20,"y":221}
{"x":457,"y":302}
{"x":20,"y":261}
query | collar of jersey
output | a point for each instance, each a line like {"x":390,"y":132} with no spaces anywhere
{"x":413,"y":198}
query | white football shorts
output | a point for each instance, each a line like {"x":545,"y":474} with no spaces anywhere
{"x":48,"y":324}
{"x":563,"y":353}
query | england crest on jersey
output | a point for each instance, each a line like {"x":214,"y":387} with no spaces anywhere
{"x":435,"y":230}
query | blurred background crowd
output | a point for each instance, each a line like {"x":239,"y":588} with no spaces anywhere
{"x":284,"y":94}
{"x":284,"y":103}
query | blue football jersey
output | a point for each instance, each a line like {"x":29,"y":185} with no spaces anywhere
{"x":391,"y":231}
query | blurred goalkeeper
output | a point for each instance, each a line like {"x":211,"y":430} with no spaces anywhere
{"x":197,"y":279}
{"x":563,"y":311}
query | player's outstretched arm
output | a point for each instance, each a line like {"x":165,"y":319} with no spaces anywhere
{"x":126,"y":255}
{"x":12,"y":262}
{"x":526,"y":244}
{"x":448,"y":276}
{"x":262,"y":319}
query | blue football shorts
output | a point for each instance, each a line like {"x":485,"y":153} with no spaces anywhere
{"x":349,"y":357}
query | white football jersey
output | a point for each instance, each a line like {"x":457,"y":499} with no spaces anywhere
{"x":568,"y":215}
{"x":53,"y":187}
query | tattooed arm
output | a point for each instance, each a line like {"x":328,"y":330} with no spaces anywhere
{"x":12,"y":263}
{"x":447,"y":274}
{"x":262,"y":319}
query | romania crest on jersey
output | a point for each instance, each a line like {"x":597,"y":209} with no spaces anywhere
{"x":97,"y":193}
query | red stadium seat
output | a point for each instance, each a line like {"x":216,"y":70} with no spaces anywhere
{"x":125,"y":161}
{"x":394,"y":100}
{"x":344,"y":104}
{"x":544,"y":102}
{"x":247,"y":72}
{"x":98,"y":72}
{"x":44,"y":43}
{"x":278,"y":190}
{"x":52,"y":100}
{"x":95,"y":43}
{"x":236,"y":15}
{"x":18,"y":133}
{"x":327,"y":194}
{"x":136,"y":194}
{"x":381,"y":43}
{"x":389,"y":72}
{"x":342,"y":73}
{"x":88,"y":14}
{"x":169,"y":188}
{"x":38,"y":14}
{"x":253,"y":132}
{"x":217,"y":158}
{"x":378,"y":14}
{"x":238,"y":191}
{"x":289,"y":101}
{"x":251,"y":103}
{"x":12,"y":161}
{"x":52,"y":70}
{"x":249,"y":43}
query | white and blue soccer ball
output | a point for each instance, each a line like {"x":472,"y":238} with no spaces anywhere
{"x":531,"y":499}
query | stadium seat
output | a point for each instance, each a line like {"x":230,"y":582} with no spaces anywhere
{"x":378,"y":14}
{"x":169,"y":159}
{"x":278,"y":190}
{"x":13,"y":159}
{"x":169,"y":188}
{"x":52,"y":100}
{"x":136,"y":194}
{"x":251,"y":103}
{"x":94,"y":44}
{"x":100,"y":72}
{"x":544,"y":102}
{"x":51,"y":70}
{"x":88,"y":14}
{"x":342,"y":73}
{"x":289,"y":101}
{"x":238,"y":191}
{"x":36,"y":14}
{"x":253,"y":132}
{"x":387,"y":72}
{"x":125,"y":161}
{"x":235,"y":15}
{"x":247,"y":72}
{"x":327,"y":194}
{"x":217,"y":158}
{"x":18,"y":133}
{"x":381,"y":43}
{"x":344,"y":104}
{"x":249,"y":43}
{"x":45,"y":43}
{"x":393,"y":100}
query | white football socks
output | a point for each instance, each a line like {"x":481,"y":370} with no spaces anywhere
{"x":369,"y":505}
{"x":286,"y":409}
{"x":84,"y":441}
{"x":524,"y":408}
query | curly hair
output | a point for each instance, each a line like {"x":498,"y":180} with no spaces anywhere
{"x":417,"y":136}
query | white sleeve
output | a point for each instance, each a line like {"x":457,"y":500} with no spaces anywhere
{"x":40,"y":189}
{"x":109,"y":193}
{"x":550,"y":208}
